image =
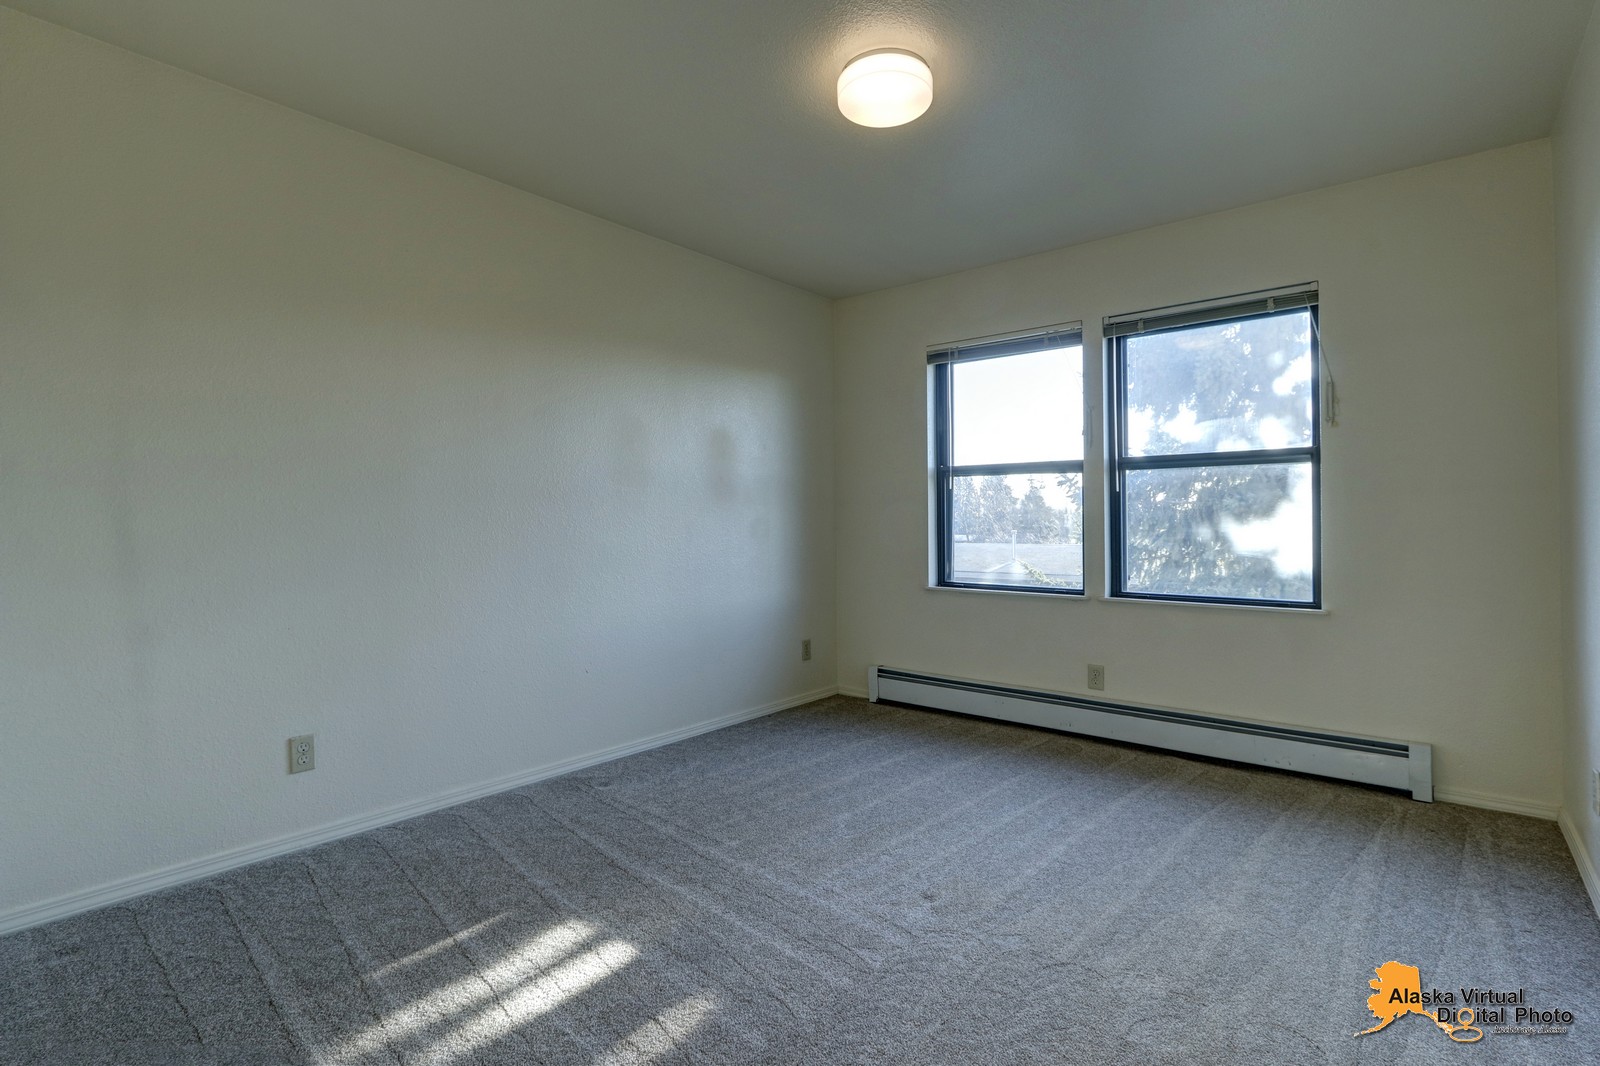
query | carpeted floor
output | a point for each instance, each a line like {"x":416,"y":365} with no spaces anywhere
{"x":841,"y":883}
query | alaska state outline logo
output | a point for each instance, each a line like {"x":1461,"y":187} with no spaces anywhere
{"x":1458,"y":1013}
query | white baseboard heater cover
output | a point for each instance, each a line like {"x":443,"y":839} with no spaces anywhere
{"x":1370,"y":760}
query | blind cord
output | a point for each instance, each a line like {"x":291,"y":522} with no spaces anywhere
{"x":1331,"y":406}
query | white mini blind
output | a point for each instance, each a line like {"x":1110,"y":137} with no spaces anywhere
{"x":1250,"y":303}
{"x":1062,"y":335}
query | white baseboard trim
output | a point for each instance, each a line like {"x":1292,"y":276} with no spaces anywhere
{"x":1489,"y":801}
{"x":1465,"y":797}
{"x":1580,"y":855}
{"x":127,"y":888}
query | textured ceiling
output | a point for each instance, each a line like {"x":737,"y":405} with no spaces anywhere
{"x":712,"y":124}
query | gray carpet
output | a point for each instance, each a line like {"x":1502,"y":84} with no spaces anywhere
{"x":841,"y":883}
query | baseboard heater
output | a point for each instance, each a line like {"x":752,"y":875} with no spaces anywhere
{"x":1369,"y":760}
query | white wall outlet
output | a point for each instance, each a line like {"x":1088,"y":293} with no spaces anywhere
{"x":302,"y":753}
{"x":805,"y":650}
{"x":1097,"y":678}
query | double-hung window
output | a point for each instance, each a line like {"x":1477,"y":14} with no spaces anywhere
{"x":1215,"y":452}
{"x":1008,"y":443}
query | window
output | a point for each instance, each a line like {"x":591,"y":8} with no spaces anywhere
{"x":1215,"y":452}
{"x":1008,"y":443}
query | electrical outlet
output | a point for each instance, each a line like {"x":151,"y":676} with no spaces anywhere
{"x":1097,"y":678}
{"x":302,"y":753}
{"x":805,"y":650}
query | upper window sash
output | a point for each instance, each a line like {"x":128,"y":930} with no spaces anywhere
{"x":1302,"y":437}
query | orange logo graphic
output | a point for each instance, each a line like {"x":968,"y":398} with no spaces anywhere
{"x":1399,"y":992}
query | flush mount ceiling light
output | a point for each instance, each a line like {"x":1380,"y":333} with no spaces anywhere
{"x":886,"y":87}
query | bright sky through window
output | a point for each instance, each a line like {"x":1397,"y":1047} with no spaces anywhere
{"x":1011,"y":464}
{"x":1019,"y":409}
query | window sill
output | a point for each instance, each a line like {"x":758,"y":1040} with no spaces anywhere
{"x":1257,"y":607}
{"x":1087,"y":597}
{"x":1076,"y":597}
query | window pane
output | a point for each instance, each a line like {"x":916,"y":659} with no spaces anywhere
{"x":1019,"y":530}
{"x":1241,"y":532}
{"x":1018,"y":408}
{"x":1221,"y":387}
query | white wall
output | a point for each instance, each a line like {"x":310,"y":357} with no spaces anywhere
{"x":1577,"y":180}
{"x":1441,"y":487}
{"x":301,"y":432}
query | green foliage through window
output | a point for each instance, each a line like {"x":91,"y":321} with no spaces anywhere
{"x":1214,"y":476}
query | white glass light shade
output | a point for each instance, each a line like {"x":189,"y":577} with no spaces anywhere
{"x":885,"y":88}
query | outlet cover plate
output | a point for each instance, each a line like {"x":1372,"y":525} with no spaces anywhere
{"x":302,"y":753}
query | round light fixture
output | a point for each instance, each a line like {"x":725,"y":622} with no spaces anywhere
{"x":886,"y":87}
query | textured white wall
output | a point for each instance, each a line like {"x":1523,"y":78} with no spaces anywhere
{"x":301,"y":432}
{"x":1441,"y":489}
{"x":1577,"y":179}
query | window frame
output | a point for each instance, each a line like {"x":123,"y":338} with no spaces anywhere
{"x":940,"y":361}
{"x":1119,"y":464}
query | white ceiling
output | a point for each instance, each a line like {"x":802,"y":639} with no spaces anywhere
{"x":712,"y":123}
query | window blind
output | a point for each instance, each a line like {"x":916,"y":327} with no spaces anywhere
{"x":1250,"y":303}
{"x":1063,"y":335}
